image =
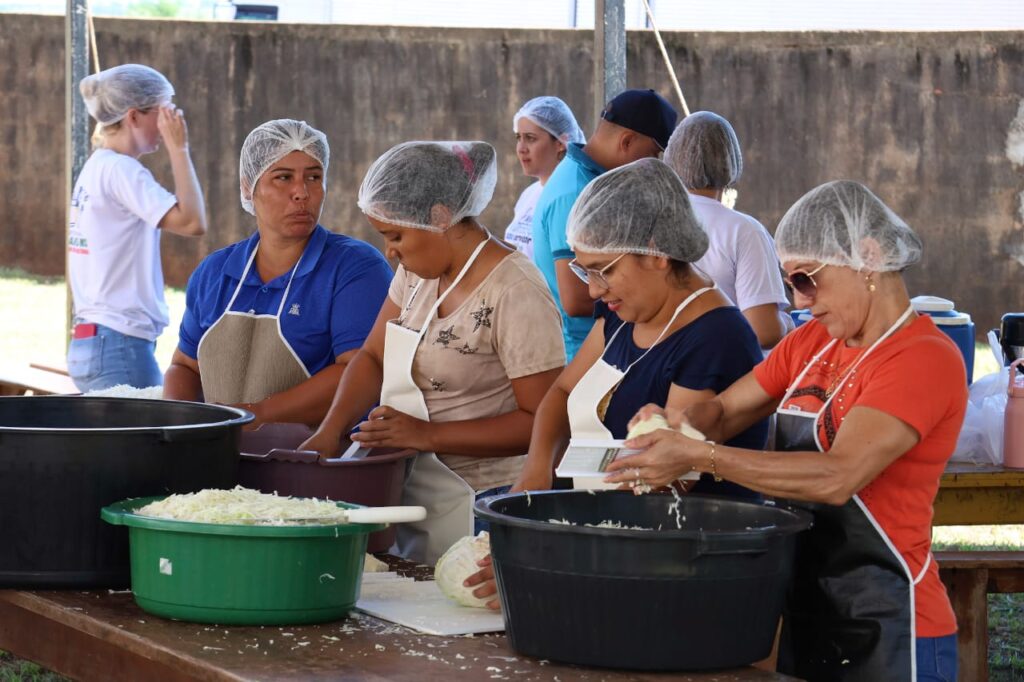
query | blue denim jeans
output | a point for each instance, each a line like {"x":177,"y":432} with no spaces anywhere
{"x":936,"y":659}
{"x":478,"y":523}
{"x":111,"y":358}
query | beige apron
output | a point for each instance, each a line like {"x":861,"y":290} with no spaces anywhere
{"x":244,"y":357}
{"x":428,"y":482}
{"x":601,"y":379}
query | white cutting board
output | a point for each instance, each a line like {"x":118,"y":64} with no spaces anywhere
{"x":421,"y":606}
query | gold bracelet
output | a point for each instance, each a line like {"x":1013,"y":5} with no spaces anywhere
{"x":714,"y":471}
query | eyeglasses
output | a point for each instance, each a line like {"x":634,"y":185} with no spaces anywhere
{"x":600,"y":276}
{"x":803,"y":282}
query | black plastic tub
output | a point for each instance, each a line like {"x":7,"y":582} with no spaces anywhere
{"x":700,"y":595}
{"x":62,"y":459}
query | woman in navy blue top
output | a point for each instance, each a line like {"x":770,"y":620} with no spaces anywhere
{"x":708,"y":354}
{"x":664,"y":334}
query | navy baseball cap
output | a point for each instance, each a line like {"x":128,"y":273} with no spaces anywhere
{"x":643,"y":111}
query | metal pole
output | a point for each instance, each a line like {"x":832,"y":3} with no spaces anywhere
{"x":76,"y":146}
{"x":609,"y":52}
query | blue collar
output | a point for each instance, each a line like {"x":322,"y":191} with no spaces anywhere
{"x":575,"y":152}
{"x":234,"y":266}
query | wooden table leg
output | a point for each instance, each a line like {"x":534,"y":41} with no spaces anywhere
{"x":74,"y":653}
{"x":969,"y":595}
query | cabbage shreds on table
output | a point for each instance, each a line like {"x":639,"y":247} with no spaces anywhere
{"x":242,"y":506}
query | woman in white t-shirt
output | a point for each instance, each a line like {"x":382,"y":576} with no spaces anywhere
{"x":116,"y":209}
{"x":741,"y":258}
{"x":543,"y":127}
{"x":463,"y":349}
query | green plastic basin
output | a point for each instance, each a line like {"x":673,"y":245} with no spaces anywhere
{"x":242,"y":575}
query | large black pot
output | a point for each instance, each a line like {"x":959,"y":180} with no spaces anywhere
{"x":703,"y":594}
{"x":62,"y":459}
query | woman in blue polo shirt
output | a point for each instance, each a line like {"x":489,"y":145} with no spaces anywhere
{"x":272,"y":321}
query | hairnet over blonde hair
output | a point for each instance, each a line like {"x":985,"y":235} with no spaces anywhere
{"x":269,"y":143}
{"x":843,"y":223}
{"x":430,"y":185}
{"x":639,"y":208}
{"x":111,"y":93}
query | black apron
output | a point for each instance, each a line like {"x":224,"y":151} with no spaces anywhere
{"x":849,"y":616}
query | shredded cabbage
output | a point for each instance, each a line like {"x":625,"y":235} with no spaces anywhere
{"x":243,"y":506}
{"x":604,"y":524}
{"x":126,"y":391}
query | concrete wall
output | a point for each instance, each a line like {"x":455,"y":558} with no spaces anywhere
{"x":925,"y":119}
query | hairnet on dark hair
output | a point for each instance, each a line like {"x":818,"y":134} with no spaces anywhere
{"x":403,"y":186}
{"x":269,"y":143}
{"x":639,"y":208}
{"x":704,"y":151}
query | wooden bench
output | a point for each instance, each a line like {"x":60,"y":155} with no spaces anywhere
{"x":970,"y":577}
{"x":27,"y":380}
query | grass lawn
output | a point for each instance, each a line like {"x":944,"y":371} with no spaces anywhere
{"x":35,"y":311}
{"x":42,"y":303}
{"x":17,"y":670}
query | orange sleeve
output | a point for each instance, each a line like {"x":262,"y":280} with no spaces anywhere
{"x":776,"y":372}
{"x":921,"y":384}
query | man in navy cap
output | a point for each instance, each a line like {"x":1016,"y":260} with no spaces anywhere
{"x":636,"y":124}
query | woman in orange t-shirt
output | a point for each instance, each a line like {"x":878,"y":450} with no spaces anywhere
{"x":869,"y":399}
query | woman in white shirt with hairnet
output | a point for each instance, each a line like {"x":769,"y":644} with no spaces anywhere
{"x":741,"y":258}
{"x":117,"y":208}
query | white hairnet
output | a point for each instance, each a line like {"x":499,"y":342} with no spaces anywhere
{"x":640,"y":208}
{"x":843,"y":223}
{"x":704,"y":151}
{"x":554,"y":116}
{"x":406,"y":184}
{"x":110,"y":94}
{"x":269,"y":143}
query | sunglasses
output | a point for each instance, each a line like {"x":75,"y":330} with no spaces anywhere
{"x":600,"y":277}
{"x":803,"y":282}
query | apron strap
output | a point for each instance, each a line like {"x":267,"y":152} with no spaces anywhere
{"x":455,"y":283}
{"x":828,"y":401}
{"x":245,"y":273}
{"x":889,"y":332}
{"x":287,"y":288}
{"x":679,"y":308}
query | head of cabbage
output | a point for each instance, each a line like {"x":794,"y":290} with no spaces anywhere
{"x":457,"y":564}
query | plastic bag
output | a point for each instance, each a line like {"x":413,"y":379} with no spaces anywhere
{"x":981,"y":437}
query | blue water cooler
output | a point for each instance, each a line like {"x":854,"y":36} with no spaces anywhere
{"x":956,"y":325}
{"x":800,"y":315}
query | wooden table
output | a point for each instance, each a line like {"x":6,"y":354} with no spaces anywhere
{"x":22,"y":380}
{"x":979,"y":495}
{"x":99,"y":635}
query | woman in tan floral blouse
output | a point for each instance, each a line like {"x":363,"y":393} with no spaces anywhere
{"x":463,"y":349}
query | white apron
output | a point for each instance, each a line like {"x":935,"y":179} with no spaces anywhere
{"x":601,"y":379}
{"x":428,"y":482}
{"x":244,"y":357}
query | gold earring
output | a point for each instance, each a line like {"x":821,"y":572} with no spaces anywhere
{"x":871,"y":285}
